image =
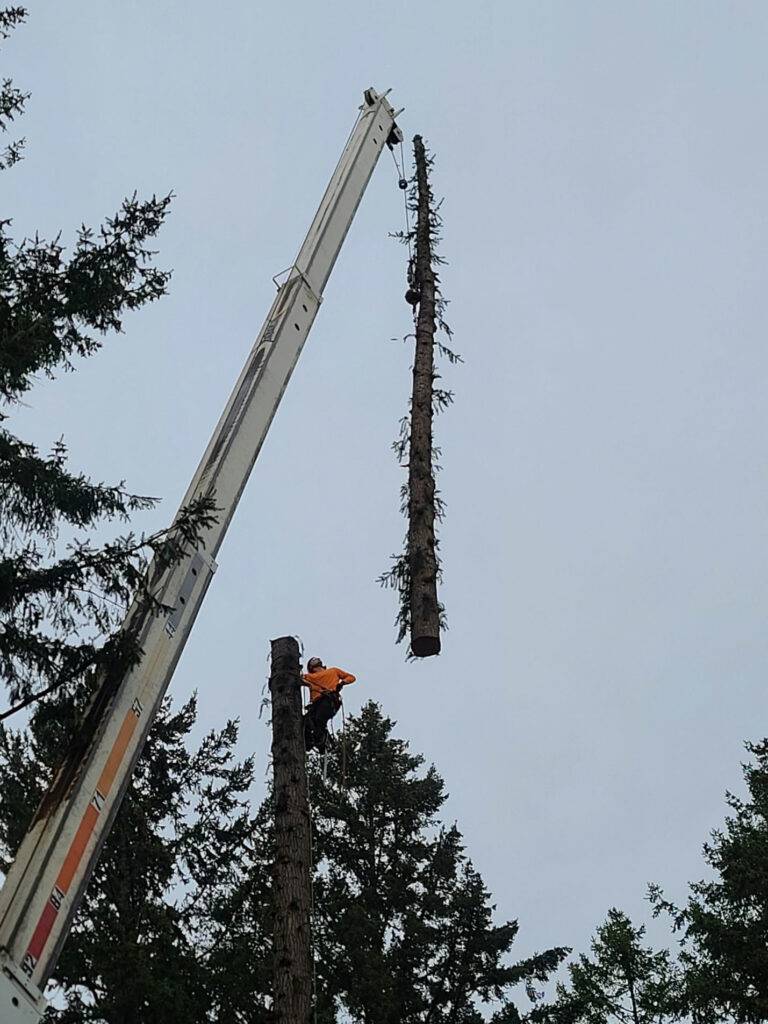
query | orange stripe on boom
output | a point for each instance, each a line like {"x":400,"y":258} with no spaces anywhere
{"x":116,"y":753}
{"x":76,"y":850}
{"x":82,"y":836}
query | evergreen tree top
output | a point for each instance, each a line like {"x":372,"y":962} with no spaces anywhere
{"x":724,"y":923}
{"x":621,"y":981}
{"x":60,"y":604}
{"x":405,"y":930}
{"x":143,"y":944}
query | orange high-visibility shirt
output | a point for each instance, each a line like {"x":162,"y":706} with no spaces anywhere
{"x":325,"y":680}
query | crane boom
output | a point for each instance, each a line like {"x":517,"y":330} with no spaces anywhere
{"x":47,"y":879}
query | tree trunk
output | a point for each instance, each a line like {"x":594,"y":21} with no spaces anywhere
{"x":631,"y":985}
{"x":422,"y":559}
{"x":291,"y":874}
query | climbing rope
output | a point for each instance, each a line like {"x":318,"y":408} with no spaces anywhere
{"x":343,"y":748}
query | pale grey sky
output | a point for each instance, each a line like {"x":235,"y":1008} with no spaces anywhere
{"x":604,"y":167}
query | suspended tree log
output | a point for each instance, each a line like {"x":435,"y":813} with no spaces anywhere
{"x":422,"y":558}
{"x":416,"y":571}
{"x":291,"y":874}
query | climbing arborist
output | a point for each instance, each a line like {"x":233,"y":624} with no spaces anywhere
{"x":324,"y":688}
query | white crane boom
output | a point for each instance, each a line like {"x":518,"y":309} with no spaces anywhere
{"x":54,"y":862}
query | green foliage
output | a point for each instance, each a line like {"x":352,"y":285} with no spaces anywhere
{"x":61,"y":595}
{"x":177,"y":922}
{"x":724,"y":924}
{"x":145,"y":943}
{"x":242,"y":922}
{"x":54,"y":307}
{"x":622,"y":981}
{"x":403,"y":922}
{"x":12,"y":100}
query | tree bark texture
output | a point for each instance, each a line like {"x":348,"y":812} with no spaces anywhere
{"x":422,"y":558}
{"x":291,"y":878}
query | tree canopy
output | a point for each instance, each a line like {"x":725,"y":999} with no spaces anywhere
{"x":62,"y":592}
{"x":405,"y":927}
{"x":723,"y":926}
{"x":144,"y":942}
{"x":622,"y":981}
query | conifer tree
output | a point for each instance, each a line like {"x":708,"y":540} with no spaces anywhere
{"x":241,"y":961}
{"x":60,"y":603}
{"x":403,"y":924}
{"x":723,"y":925}
{"x":621,"y":982}
{"x":405,"y":930}
{"x":144,"y":947}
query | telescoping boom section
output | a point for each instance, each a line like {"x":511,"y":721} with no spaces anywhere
{"x":52,"y":867}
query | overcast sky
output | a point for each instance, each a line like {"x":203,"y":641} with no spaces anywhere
{"x":604,"y":169}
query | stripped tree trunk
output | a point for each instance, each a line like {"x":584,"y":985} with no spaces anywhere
{"x":291,"y":878}
{"x":422,"y":559}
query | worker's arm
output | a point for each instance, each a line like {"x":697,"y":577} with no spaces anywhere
{"x":345,"y":678}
